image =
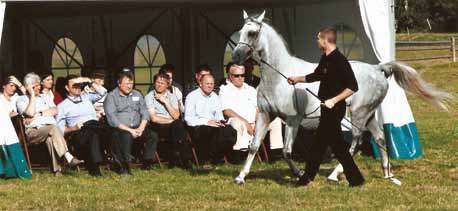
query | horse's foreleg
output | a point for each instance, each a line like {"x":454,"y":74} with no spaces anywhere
{"x":262,"y":122}
{"x":290,"y":136}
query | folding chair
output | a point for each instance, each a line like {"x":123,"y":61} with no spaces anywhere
{"x":20,"y":130}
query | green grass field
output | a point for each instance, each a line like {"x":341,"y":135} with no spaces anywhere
{"x":429,"y":183}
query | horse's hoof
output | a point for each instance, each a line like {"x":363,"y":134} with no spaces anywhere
{"x":239,"y":181}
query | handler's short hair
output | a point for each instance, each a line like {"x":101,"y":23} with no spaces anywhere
{"x":329,"y":33}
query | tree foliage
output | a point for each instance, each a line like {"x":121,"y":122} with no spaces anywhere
{"x":413,"y":15}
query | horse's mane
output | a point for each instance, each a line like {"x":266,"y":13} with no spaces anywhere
{"x":266,"y":21}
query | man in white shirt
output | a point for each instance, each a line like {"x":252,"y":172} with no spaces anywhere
{"x":203,"y":113}
{"x":239,"y":104}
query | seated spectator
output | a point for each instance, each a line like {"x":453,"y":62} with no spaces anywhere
{"x":239,"y":103}
{"x":174,"y":87}
{"x":204,"y":114}
{"x":126,"y":112}
{"x":60,"y":93}
{"x":47,"y":83}
{"x":40,"y":124}
{"x":200,"y":71}
{"x":98,"y":78}
{"x":224,"y":81}
{"x":164,"y":112}
{"x":250,"y":78}
{"x":9,"y":95}
{"x":77,"y":118}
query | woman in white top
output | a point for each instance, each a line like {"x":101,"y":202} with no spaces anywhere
{"x":47,"y":84}
{"x":9,"y":96}
{"x":12,"y":161}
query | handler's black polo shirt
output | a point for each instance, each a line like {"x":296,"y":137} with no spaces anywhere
{"x":335,"y":74}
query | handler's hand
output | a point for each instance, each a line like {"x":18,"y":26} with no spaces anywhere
{"x":296,"y":79}
{"x":330,"y":103}
{"x":293,"y":80}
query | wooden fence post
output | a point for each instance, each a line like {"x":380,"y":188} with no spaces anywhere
{"x":453,"y":49}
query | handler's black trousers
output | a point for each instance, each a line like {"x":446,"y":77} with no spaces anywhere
{"x":213,"y":143}
{"x":87,"y":142}
{"x":122,"y":145}
{"x":329,"y":133}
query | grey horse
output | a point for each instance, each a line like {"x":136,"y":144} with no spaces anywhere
{"x":296,"y":106}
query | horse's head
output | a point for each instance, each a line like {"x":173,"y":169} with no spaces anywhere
{"x":250,"y":38}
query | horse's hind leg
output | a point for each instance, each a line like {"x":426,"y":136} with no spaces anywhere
{"x":378,"y":135}
{"x":290,"y":136}
{"x":262,"y":122}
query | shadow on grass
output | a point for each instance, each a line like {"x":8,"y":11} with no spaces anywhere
{"x":279,"y":175}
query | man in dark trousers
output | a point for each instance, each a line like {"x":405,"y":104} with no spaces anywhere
{"x":337,"y":83}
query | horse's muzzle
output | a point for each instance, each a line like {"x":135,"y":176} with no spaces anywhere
{"x":241,"y":54}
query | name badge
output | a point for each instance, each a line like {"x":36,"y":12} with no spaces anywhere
{"x":135,"y":98}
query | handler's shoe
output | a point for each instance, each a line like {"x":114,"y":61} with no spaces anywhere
{"x":358,"y":184}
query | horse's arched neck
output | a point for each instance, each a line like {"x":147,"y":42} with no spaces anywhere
{"x":275,"y":51}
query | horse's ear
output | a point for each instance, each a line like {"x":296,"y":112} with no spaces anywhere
{"x":245,"y":15}
{"x":261,"y":17}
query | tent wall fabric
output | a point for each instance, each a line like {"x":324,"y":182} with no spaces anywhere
{"x":399,"y":125}
{"x":191,"y":32}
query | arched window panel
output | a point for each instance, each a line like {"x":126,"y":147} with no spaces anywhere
{"x":148,"y":58}
{"x":65,"y":58}
{"x":348,"y":42}
{"x":228,"y":53}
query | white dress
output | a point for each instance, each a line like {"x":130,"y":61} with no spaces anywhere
{"x":12,"y":161}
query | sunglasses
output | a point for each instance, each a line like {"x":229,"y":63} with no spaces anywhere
{"x":238,"y":75}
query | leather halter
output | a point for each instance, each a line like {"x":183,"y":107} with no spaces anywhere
{"x":257,"y":34}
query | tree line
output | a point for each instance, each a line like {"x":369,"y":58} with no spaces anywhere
{"x":426,"y":15}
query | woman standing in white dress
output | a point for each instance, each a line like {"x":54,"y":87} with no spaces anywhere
{"x":12,"y":161}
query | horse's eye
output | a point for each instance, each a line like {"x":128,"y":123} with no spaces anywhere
{"x":252,"y":33}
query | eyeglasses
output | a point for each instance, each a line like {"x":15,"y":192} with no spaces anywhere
{"x":238,"y":75}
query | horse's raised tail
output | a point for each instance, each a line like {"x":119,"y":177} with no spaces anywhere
{"x":410,"y":81}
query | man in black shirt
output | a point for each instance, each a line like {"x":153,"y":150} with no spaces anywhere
{"x":337,"y":83}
